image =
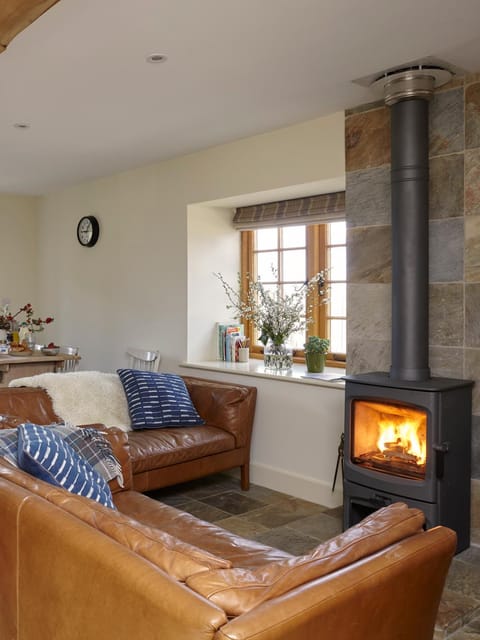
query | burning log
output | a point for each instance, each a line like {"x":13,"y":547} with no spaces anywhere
{"x":396,"y":462}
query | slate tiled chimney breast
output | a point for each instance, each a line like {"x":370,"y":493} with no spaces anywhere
{"x":454,"y":239}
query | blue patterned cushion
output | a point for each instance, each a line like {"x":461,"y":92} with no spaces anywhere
{"x":45,"y":455}
{"x":88,"y":442}
{"x":158,"y":400}
{"x":8,"y":445}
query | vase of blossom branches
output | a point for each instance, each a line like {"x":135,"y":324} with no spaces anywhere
{"x":26,"y":327}
{"x":276,"y":315}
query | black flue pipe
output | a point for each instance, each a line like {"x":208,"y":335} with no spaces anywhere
{"x":409,"y":181}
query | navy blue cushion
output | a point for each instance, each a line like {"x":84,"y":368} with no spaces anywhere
{"x":45,"y":455}
{"x":158,"y":400}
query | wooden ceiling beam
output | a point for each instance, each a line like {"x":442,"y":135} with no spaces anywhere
{"x":17,"y":15}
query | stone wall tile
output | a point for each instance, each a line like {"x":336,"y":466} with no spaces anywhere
{"x":367,"y":139}
{"x":369,"y":311}
{"x":446,"y":362}
{"x":472,"y":248}
{"x":446,"y":239}
{"x":469,"y":78}
{"x":368,"y":355}
{"x":472,"y":182}
{"x":472,"y":315}
{"x":369,"y":254}
{"x":472,"y":372}
{"x":446,"y":315}
{"x":446,"y":186}
{"x":368,"y":199}
{"x":368,"y":106}
{"x":446,"y":122}
{"x":472,"y":116}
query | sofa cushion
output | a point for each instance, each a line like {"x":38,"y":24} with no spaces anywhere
{"x":45,"y":455}
{"x":158,"y":448}
{"x":8,"y":445}
{"x":239,"y":590}
{"x":157,"y":400}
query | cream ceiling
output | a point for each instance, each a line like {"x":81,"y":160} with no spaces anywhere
{"x":78,"y":76}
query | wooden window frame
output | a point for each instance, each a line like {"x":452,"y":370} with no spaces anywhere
{"x":316,"y":249}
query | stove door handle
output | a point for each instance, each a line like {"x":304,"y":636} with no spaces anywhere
{"x":440,"y":451}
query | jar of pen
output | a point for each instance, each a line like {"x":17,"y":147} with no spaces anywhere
{"x":243,"y":349}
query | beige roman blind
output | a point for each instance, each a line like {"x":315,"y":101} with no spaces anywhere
{"x":323,"y":208}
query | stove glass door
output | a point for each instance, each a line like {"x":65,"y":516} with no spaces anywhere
{"x":389,"y":437}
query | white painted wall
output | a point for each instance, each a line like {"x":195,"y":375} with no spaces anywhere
{"x":148,"y":282}
{"x":296,"y":434}
{"x":213,"y":246}
{"x":18,"y":252}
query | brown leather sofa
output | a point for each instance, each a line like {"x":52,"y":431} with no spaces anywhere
{"x":72,"y":569}
{"x":162,"y":457}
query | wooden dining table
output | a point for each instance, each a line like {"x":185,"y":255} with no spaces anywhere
{"x":18,"y":366}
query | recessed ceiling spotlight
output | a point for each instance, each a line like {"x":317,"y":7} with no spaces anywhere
{"x":21,"y":125}
{"x":156,"y":58}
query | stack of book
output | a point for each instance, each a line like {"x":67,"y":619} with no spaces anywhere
{"x":230,"y":338}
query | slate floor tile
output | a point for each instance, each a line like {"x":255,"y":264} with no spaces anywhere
{"x":233,"y":503}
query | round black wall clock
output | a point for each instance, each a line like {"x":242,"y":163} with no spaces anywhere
{"x":88,"y":231}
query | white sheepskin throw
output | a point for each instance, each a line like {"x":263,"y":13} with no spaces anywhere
{"x":84,"y":397}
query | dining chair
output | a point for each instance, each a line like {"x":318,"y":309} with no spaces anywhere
{"x":70,"y":364}
{"x":143,"y":359}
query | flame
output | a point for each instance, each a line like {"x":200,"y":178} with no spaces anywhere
{"x":405,"y":436}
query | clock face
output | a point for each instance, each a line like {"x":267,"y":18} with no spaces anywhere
{"x":88,"y":231}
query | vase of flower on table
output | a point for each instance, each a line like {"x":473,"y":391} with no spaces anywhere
{"x":22,"y":329}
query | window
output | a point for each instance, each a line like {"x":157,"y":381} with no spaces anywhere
{"x":287,"y":256}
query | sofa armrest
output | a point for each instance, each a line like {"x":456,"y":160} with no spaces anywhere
{"x":230,"y":407}
{"x":119,"y":442}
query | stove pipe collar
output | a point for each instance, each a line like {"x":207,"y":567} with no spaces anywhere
{"x":415,"y":82}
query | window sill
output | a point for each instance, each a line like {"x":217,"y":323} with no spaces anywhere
{"x":331,"y":377}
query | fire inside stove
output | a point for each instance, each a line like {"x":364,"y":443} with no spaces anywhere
{"x":390,"y":438}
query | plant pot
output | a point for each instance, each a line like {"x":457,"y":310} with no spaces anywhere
{"x":315,"y":362}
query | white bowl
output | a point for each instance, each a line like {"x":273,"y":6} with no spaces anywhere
{"x":50,"y":351}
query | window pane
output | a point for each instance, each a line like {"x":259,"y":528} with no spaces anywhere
{"x":266,"y":238}
{"x":338,"y":336}
{"x":338,"y":299}
{"x":337,"y":232}
{"x":297,"y":340}
{"x":337,"y":259}
{"x":265,"y":263}
{"x":294,"y":265}
{"x":293,"y":236}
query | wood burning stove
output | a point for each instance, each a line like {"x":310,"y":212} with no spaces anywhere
{"x":407,"y":435}
{"x":408,"y":441}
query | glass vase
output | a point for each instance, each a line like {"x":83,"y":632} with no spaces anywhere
{"x":277,"y":357}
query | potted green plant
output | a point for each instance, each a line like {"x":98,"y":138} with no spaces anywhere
{"x":316,"y":350}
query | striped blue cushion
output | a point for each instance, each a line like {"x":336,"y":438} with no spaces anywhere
{"x":158,"y":400}
{"x":45,"y":455}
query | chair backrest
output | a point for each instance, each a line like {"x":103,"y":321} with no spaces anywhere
{"x":143,"y":359}
{"x":71,"y":363}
